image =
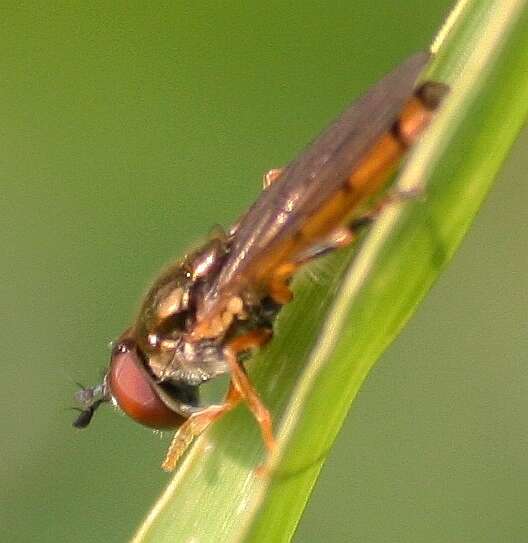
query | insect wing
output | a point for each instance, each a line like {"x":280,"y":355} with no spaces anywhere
{"x":314,"y":176}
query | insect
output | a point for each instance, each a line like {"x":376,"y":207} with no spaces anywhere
{"x":207,"y":311}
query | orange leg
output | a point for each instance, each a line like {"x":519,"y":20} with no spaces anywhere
{"x":243,"y":385}
{"x":278,"y":287}
{"x":239,"y":389}
{"x":196,"y":424}
{"x":343,"y":236}
{"x":392,"y":197}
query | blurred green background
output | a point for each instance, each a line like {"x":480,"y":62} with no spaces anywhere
{"x":127,"y":130}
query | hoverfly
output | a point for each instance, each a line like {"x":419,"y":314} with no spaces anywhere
{"x":209,"y":309}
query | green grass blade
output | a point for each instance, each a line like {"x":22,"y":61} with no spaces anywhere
{"x":312,"y":370}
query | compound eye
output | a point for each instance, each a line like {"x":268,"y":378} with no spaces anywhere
{"x":131,"y":387}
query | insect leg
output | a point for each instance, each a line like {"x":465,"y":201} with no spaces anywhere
{"x":348,"y":234}
{"x":278,"y":285}
{"x":393,"y":197}
{"x":239,"y":389}
{"x":270,"y":177}
{"x":243,"y":385}
{"x":196,"y":424}
{"x":341,"y":237}
{"x":267,"y":180}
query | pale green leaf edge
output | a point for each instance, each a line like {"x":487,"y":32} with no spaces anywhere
{"x":310,"y":375}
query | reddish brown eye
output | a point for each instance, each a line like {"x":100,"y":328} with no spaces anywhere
{"x":130,"y":386}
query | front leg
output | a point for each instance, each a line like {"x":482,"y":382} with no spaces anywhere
{"x":195,"y":425}
{"x":239,"y":389}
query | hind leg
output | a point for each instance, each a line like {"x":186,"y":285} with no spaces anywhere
{"x":345,"y":235}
